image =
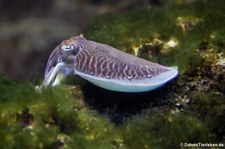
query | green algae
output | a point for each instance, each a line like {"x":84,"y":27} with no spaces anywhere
{"x":188,"y":24}
{"x":50,"y":119}
{"x":188,"y":35}
{"x":176,"y":128}
{"x":56,"y":118}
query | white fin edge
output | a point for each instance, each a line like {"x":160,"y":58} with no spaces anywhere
{"x":133,"y":85}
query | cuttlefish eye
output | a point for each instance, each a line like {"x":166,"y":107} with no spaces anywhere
{"x":70,"y":47}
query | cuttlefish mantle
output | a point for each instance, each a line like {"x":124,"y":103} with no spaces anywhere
{"x":105,"y":67}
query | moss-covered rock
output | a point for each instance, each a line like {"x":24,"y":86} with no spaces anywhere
{"x":191,"y":109}
{"x":50,"y":119}
{"x":165,"y":34}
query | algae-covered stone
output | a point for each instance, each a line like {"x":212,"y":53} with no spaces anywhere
{"x":186,"y":26}
{"x":50,"y":119}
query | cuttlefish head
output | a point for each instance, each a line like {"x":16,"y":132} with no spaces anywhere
{"x":65,"y":53}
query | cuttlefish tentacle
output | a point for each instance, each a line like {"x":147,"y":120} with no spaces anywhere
{"x":106,"y":66}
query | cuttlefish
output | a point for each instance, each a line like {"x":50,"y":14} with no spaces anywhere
{"x":105,"y":67}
